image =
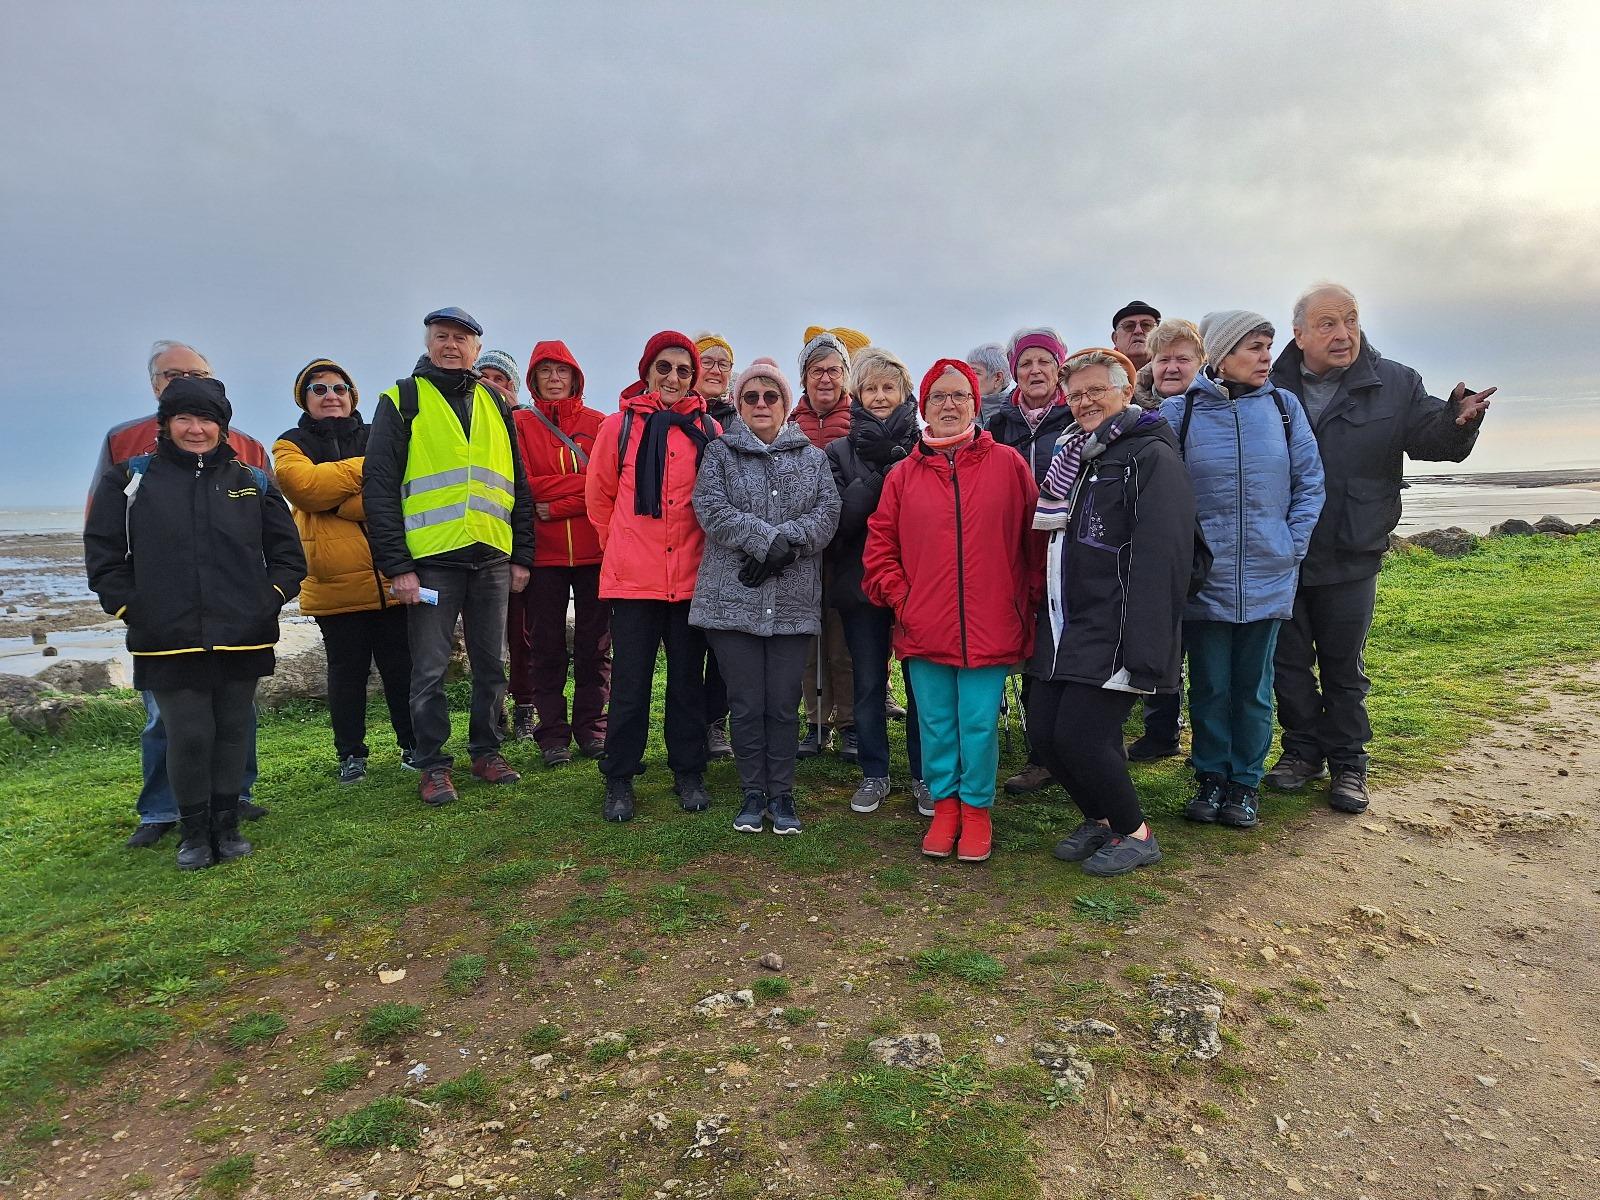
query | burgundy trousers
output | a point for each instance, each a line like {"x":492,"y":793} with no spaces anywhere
{"x":536,"y":630}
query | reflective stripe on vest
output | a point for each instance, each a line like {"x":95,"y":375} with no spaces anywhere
{"x":456,"y":492}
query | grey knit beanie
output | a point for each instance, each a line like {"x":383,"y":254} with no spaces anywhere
{"x":824,"y":343}
{"x":501,"y":361}
{"x":1222,"y":331}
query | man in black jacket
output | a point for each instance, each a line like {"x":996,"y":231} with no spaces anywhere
{"x":472,"y":578}
{"x":1369,"y":413}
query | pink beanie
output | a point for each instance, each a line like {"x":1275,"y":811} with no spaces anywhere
{"x":764,"y":368}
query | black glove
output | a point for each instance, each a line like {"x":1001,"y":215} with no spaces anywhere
{"x":780,"y":554}
{"x":754,"y":571}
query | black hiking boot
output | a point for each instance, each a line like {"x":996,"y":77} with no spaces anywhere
{"x":225,"y":839}
{"x":1242,"y":807}
{"x":1206,"y":801}
{"x":194,"y":845}
{"x":619,"y":800}
{"x":691,"y":789}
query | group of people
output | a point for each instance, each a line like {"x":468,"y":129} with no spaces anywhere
{"x":1090,"y":518}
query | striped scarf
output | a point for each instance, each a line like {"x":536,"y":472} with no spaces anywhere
{"x":1074,"y":447}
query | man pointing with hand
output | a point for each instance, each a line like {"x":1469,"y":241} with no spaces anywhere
{"x":451,"y":524}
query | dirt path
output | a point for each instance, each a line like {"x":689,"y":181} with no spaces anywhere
{"x":1440,"y":960}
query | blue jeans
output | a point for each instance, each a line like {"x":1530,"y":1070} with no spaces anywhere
{"x":156,"y":801}
{"x":1230,"y":697}
{"x":957,"y":709}
{"x":869,"y":632}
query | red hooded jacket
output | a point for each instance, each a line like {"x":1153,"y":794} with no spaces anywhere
{"x":951,"y":550}
{"x":645,"y":558}
{"x":555,"y":474}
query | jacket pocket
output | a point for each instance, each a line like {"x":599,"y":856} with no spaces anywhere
{"x":1371,"y":511}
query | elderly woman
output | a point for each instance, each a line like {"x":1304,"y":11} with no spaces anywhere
{"x":319,"y":466}
{"x":196,"y":552}
{"x":947,"y":551}
{"x":639,"y":489}
{"x":767,"y":503}
{"x":1176,"y":354}
{"x":1120,"y":517}
{"x":1258,"y":481}
{"x":716,"y":376}
{"x":823,"y":415}
{"x":1030,"y":424}
{"x":499,"y":370}
{"x":883,"y":432}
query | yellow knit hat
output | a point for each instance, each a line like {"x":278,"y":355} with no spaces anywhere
{"x":854,"y":340}
{"x":707,"y":340}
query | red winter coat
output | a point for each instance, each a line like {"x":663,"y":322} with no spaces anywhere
{"x":555,"y":475}
{"x":645,"y":558}
{"x":822,"y":430}
{"x":952,"y":552}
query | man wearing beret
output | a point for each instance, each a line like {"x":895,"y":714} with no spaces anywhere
{"x":1369,"y":414}
{"x":451,"y":524}
{"x":1131,"y":327}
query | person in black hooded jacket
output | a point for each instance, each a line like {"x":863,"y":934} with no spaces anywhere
{"x":883,"y":430}
{"x":196,"y":552}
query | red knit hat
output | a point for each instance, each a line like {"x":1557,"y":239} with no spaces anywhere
{"x":938,"y":369}
{"x":670,"y":339}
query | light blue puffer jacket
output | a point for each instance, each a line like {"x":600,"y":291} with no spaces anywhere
{"x":1258,"y":492}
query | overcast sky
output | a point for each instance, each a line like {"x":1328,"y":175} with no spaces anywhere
{"x":279,"y":181}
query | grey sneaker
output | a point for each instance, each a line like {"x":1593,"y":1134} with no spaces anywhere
{"x":1083,"y":841}
{"x":923,"y":797}
{"x":352,"y":769}
{"x":1291,"y":773}
{"x":1121,"y":855}
{"x":1349,"y":791}
{"x":718,"y":748}
{"x":869,"y":795}
{"x":751,"y":813}
{"x":781,"y":809}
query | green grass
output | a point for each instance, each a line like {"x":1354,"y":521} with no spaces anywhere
{"x":771,"y":987}
{"x":105,"y":953}
{"x":229,"y":1177}
{"x":389,"y":1022}
{"x":471,"y":1090}
{"x":255,"y":1028}
{"x":388,"y":1121}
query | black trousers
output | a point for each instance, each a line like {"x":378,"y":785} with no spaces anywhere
{"x":1077,"y":734}
{"x":354,"y":641}
{"x":208,"y":737}
{"x":763,"y":722}
{"x":639,"y":628}
{"x":1320,"y":673}
{"x":716,"y":689}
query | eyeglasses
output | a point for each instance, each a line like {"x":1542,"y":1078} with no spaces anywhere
{"x":949,"y":398}
{"x":664,"y":369}
{"x":1137,"y":325}
{"x":825,"y":372}
{"x":1088,"y":396}
{"x":716,"y":364}
{"x":170,"y":374}
{"x":757,"y":399}
{"x":322,"y":389}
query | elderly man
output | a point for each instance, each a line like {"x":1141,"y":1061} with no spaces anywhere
{"x":989,"y":364}
{"x":1369,"y":413}
{"x":451,"y":525}
{"x":1131,"y":327}
{"x":158,"y":810}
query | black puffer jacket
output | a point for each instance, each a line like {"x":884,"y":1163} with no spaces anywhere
{"x":1121,"y":567}
{"x":212,"y":559}
{"x":1380,"y":415}
{"x":1038,"y":446}
{"x":389,"y":446}
{"x":860,"y":460}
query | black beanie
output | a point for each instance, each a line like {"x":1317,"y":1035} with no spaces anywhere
{"x":197,"y":397}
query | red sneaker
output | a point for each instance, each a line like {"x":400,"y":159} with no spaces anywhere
{"x":491,"y":768}
{"x":976,"y":834}
{"x":941,"y":836}
{"x":436,"y":787}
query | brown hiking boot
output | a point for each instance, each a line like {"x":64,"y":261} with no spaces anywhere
{"x":492,"y":768}
{"x":436,"y":787}
{"x":1030,"y":779}
{"x":523,"y":723}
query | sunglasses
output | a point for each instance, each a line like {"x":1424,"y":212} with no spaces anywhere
{"x":664,"y":369}
{"x":757,"y":399}
{"x":322,"y":389}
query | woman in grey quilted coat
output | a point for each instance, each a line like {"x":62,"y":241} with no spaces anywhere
{"x":766,"y":499}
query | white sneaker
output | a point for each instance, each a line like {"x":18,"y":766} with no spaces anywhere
{"x":924,"y":798}
{"x":869,"y":795}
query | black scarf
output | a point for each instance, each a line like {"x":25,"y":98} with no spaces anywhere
{"x":649,"y":465}
{"x":331,"y":439}
{"x":882,"y":441}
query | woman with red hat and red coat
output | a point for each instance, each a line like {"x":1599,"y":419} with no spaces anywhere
{"x":556,"y":435}
{"x":950,"y":550}
{"x":639,"y":490}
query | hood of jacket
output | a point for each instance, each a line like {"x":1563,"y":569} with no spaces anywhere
{"x":741,"y":438}
{"x":554,"y":351}
{"x":635,"y":398}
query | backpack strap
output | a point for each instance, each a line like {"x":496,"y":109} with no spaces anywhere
{"x":624,"y":432}
{"x":408,"y":403}
{"x":1183,"y":425}
{"x":1188,"y":415}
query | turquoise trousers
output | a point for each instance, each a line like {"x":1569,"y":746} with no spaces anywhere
{"x":1230,"y":697}
{"x":958,"y":713}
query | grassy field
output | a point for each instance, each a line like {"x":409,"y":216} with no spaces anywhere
{"x":513,"y":896}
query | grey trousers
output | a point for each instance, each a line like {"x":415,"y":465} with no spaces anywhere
{"x":478,"y":597}
{"x":762,"y":674}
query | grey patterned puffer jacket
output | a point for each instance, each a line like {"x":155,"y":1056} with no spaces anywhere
{"x":747,"y":494}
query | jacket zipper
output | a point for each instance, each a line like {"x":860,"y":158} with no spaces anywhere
{"x":572,"y":555}
{"x":1238,"y":557}
{"x":961,"y":565}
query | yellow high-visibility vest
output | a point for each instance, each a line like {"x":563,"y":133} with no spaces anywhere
{"x":456,"y":492}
